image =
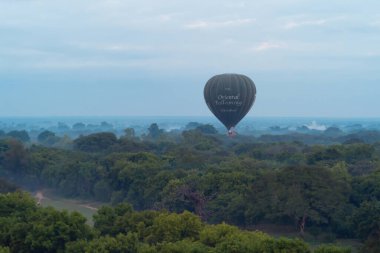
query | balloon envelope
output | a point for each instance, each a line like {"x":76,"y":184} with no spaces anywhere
{"x":230,"y":97}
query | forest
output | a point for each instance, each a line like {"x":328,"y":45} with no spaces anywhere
{"x":191,"y":191}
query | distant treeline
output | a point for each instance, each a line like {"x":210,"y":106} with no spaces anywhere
{"x":63,"y":137}
{"x":326,"y":191}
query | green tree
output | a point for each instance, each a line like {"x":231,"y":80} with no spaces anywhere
{"x":102,"y":191}
{"x":22,"y":136}
{"x":331,"y":249}
{"x":184,"y":246}
{"x":154,"y":131}
{"x":129,"y":133}
{"x":6,"y":187}
{"x":120,"y":243}
{"x":367,"y":224}
{"x":24,"y":227}
{"x":212,"y":235}
{"x":175,"y":227}
{"x":98,"y":142}
{"x":4,"y":250}
{"x":79,"y":126}
{"x":106,"y":218}
{"x":306,"y":195}
{"x":15,"y":159}
{"x":366,"y":188}
{"x":206,"y":129}
{"x":47,"y":138}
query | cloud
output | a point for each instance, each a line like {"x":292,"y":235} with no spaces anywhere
{"x":123,"y":48}
{"x":375,"y":24}
{"x":311,"y":22}
{"x":86,"y":63}
{"x":264,"y":46}
{"x":219,"y":24}
{"x":295,"y":24}
{"x":115,"y":47}
{"x":25,"y":52}
{"x":165,"y":17}
{"x":236,"y":4}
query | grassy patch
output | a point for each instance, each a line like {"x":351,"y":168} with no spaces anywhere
{"x":86,"y":208}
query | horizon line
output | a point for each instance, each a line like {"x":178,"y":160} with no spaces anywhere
{"x":182,"y":116}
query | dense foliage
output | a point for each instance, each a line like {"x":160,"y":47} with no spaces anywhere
{"x":6,"y":187}
{"x":334,"y":189}
{"x":25,"y":227}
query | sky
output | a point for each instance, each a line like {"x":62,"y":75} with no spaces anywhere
{"x":153,"y":57}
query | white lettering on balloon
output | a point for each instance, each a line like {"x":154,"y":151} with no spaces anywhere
{"x":228,"y":100}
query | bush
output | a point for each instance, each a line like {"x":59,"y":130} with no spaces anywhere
{"x":175,"y":227}
{"x":184,"y":246}
{"x":4,"y":250}
{"x":285,"y":245}
{"x":331,"y":249}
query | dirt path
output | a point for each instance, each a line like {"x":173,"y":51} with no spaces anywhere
{"x":41,"y":199}
{"x":90,"y":207}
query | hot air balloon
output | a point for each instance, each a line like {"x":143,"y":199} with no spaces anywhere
{"x":230,"y":97}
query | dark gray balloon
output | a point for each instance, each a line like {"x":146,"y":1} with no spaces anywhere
{"x":230,"y":97}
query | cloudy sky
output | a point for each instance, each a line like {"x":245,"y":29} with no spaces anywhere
{"x":153,"y":57}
